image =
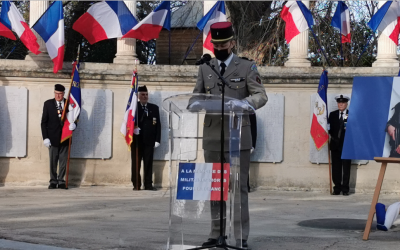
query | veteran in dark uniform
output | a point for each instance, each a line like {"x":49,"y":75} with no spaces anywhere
{"x":340,"y":167}
{"x":51,"y":131}
{"x":244,"y":83}
{"x":148,"y":138}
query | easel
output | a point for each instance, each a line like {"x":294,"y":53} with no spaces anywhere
{"x":384,"y":161}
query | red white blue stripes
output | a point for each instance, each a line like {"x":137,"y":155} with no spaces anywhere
{"x":319,"y":124}
{"x":105,"y":20}
{"x":201,"y":181}
{"x":298,"y":18}
{"x":150,"y":27}
{"x":386,"y":20}
{"x":341,"y":21}
{"x":11,"y":19}
{"x":128,"y":125}
{"x":50,"y":27}
{"x":216,"y":14}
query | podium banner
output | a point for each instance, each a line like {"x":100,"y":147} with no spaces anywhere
{"x":201,"y":181}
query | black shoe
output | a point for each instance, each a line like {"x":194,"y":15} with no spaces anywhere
{"x":346,"y":193}
{"x":52,"y":186}
{"x":336,"y":193}
{"x":62,"y":186}
{"x":134,"y":189}
{"x":151,"y":189}
{"x":210,"y":242}
{"x":243,"y":245}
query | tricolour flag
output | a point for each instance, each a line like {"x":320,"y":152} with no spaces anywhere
{"x":201,"y":181}
{"x":216,"y":14}
{"x":128,"y":124}
{"x":341,"y":21}
{"x":73,"y":104}
{"x":50,"y":27}
{"x":319,"y":124}
{"x":367,"y":125}
{"x":150,"y":27}
{"x":386,"y":20}
{"x":105,"y":20}
{"x":11,"y":18}
{"x":298,"y":18}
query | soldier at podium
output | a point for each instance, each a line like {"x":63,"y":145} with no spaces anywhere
{"x":51,"y":131}
{"x":244,"y":83}
{"x":148,"y":138}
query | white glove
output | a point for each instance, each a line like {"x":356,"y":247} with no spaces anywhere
{"x":136,"y":131}
{"x":47,"y":143}
{"x":240,"y":104}
{"x":72,"y":126}
{"x":251,"y":150}
{"x":156,"y":145}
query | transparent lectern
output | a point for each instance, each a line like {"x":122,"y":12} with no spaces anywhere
{"x":194,"y":178}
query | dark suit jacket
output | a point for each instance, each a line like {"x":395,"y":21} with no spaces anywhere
{"x":51,"y":123}
{"x":336,"y":142}
{"x":150,"y":126}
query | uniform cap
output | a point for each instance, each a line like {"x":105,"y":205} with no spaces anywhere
{"x":221,"y":32}
{"x":342,"y":98}
{"x":59,"y":87}
{"x":142,"y":88}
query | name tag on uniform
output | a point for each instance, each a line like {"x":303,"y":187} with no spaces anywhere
{"x":237,"y":79}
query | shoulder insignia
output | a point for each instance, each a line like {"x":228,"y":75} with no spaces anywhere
{"x":254,"y":67}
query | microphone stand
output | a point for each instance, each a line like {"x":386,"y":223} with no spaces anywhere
{"x":221,"y":241}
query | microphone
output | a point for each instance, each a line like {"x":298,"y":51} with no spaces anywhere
{"x":204,"y":59}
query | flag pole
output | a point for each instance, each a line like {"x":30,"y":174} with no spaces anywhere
{"x":136,"y":142}
{"x":341,"y":49}
{"x":191,"y":47}
{"x":64,"y":112}
{"x":365,"y":47}
{"x":330,"y":168}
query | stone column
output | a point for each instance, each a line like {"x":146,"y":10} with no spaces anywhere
{"x":207,"y":5}
{"x":298,"y":49}
{"x":386,"y":54}
{"x":126,"y":48}
{"x":36,"y":10}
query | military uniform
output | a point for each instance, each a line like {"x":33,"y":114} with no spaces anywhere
{"x":244,"y":83}
{"x":395,"y":122}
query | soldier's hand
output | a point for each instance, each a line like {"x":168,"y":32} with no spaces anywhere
{"x":156,"y":144}
{"x":47,"y":143}
{"x":195,"y":107}
{"x":235,"y":104}
{"x":72,"y":126}
{"x":391,"y":132}
{"x":136,"y":131}
{"x":398,"y":149}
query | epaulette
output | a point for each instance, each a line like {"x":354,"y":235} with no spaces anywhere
{"x":245,"y":58}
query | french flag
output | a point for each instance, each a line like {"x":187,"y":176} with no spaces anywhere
{"x":386,"y":20}
{"x":298,"y":18}
{"x":105,"y":20}
{"x":50,"y":27}
{"x":74,"y":104}
{"x":319,"y":124}
{"x":341,"y":21}
{"x":373,"y":127}
{"x":201,"y":181}
{"x":216,"y":14}
{"x":150,"y":27}
{"x":128,"y":124}
{"x":11,"y":19}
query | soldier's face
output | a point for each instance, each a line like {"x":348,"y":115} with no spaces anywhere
{"x":58,"y":95}
{"x":342,"y":105}
{"x":143,"y":97}
{"x":228,"y":45}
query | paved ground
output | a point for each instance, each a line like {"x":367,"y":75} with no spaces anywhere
{"x":118,"y":218}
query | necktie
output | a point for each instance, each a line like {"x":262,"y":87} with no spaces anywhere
{"x":223,"y":66}
{"x":145,"y":110}
{"x":341,"y":117}
{"x":59,"y":106}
